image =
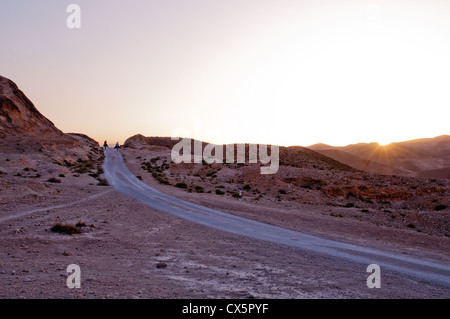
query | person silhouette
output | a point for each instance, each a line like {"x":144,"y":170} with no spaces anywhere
{"x":117,"y":146}
{"x":105,"y":145}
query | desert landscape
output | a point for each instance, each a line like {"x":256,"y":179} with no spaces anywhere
{"x":60,"y":206}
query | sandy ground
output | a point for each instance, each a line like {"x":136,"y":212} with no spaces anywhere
{"x":124,"y":242}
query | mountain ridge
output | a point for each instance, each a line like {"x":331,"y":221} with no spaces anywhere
{"x":423,"y":157}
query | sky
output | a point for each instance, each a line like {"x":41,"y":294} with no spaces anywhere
{"x":284,"y":72}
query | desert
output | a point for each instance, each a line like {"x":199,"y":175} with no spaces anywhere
{"x":127,"y":249}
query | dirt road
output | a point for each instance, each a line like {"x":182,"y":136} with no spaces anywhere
{"x":123,"y":180}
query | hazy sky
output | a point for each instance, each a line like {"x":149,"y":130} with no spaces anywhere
{"x":287,"y":72}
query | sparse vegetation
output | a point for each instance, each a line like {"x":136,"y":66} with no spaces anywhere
{"x":440,"y":207}
{"x":163,"y":180}
{"x":282,"y":191}
{"x":65,"y":229}
{"x":246,"y":187}
{"x":102,"y":182}
{"x":181,"y":185}
{"x":54,"y":180}
{"x":219,"y":192}
{"x":199,"y":189}
{"x":80,"y":224}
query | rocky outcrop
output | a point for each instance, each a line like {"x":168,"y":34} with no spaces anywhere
{"x":24,"y":130}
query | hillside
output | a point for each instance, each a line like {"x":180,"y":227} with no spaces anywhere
{"x":32,"y":147}
{"x":305,"y":177}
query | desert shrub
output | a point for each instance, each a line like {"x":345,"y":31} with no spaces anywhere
{"x":199,"y":189}
{"x":235,"y":195}
{"x":349,"y":205}
{"x":62,"y":175}
{"x":54,"y":180}
{"x":307,"y":186}
{"x":410,"y":225}
{"x":80,"y":224}
{"x":219,"y":192}
{"x":94,"y":175}
{"x":282,"y":191}
{"x":246,"y":187}
{"x":82,"y":170}
{"x":139,"y":177}
{"x":65,"y":229}
{"x":26,"y":169}
{"x":102,"y":182}
{"x":440,"y":207}
{"x":162,"y":180}
{"x":181,"y":185}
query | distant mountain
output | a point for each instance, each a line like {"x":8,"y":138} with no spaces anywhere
{"x":24,"y":130}
{"x":426,"y":157}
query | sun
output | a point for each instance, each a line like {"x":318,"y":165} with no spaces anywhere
{"x":384,"y":143}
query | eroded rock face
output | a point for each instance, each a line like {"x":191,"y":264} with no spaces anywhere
{"x":24,"y":130}
{"x":18,"y":115}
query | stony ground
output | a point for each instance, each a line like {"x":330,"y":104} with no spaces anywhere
{"x":128,"y":250}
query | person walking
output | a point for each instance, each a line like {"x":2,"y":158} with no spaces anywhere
{"x":105,"y":145}
{"x":117,"y":146}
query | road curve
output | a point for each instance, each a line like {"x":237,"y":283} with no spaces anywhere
{"x":119,"y":177}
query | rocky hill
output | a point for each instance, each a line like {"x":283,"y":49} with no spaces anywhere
{"x":28,"y":140}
